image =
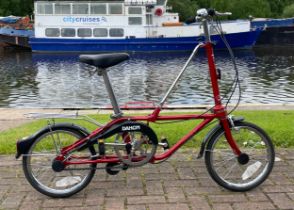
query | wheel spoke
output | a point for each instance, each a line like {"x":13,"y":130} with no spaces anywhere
{"x":252,"y":141}
{"x":39,"y":169}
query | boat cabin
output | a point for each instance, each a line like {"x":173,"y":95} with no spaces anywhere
{"x":102,"y":19}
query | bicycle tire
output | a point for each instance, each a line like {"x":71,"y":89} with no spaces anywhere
{"x":254,"y":172}
{"x":48,"y":188}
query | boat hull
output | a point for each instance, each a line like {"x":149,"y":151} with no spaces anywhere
{"x":236,"y":40}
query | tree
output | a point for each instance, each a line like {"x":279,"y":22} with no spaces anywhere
{"x":185,"y":8}
{"x":16,"y":7}
{"x":245,"y":8}
{"x":289,"y":11}
{"x":203,"y":3}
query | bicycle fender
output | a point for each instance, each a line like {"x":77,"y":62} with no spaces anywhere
{"x":212,"y":132}
{"x":23,"y":145}
{"x":129,"y":126}
{"x":206,"y":139}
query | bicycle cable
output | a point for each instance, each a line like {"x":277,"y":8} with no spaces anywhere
{"x":236,"y":80}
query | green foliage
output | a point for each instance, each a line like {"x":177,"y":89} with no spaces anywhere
{"x":245,"y":8}
{"x":289,"y":11}
{"x":16,"y":7}
{"x":185,"y":8}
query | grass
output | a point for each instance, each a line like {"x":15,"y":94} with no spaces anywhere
{"x":278,"y":124}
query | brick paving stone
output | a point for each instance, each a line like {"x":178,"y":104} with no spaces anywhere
{"x":198,"y":202}
{"x":175,"y":194}
{"x":283,"y":168}
{"x":186,"y":173}
{"x":162,"y":176}
{"x":203,"y":190}
{"x":107,"y":184}
{"x":93,"y":199}
{"x":181,"y":183}
{"x":200,"y":172}
{"x":119,"y":177}
{"x":170,"y":206}
{"x":206,"y":181}
{"x":278,"y":188}
{"x":83,"y":208}
{"x":29,"y":205}
{"x":166,"y":167}
{"x":280,"y":178}
{"x":134,"y":183}
{"x":136,"y":207}
{"x":12,"y":201}
{"x":154,"y":188}
{"x":125,"y":192}
{"x":291,"y":195}
{"x":236,"y":197}
{"x":254,"y":206}
{"x":69,"y":202}
{"x":281,"y":200}
{"x":146,"y":199}
{"x":256,"y":196}
{"x":115,"y":203}
{"x":147,"y":170}
{"x":183,"y":164}
{"x":222,"y":206}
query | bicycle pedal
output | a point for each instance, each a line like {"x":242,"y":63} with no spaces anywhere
{"x":164,"y":143}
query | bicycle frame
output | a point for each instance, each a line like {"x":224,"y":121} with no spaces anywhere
{"x":219,"y":112}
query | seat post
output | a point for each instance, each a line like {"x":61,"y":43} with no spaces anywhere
{"x":117,"y":111}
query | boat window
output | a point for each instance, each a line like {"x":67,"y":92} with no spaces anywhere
{"x":52,"y":32}
{"x":115,"y":9}
{"x":135,"y":10}
{"x":135,"y":21}
{"x":116,"y":32}
{"x":98,"y":9}
{"x":62,"y":8}
{"x":80,"y":9}
{"x":100,"y":32}
{"x":68,"y":32}
{"x":84,"y":32}
{"x":44,"y":8}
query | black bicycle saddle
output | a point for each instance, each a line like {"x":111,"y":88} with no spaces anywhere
{"x":104,"y":61}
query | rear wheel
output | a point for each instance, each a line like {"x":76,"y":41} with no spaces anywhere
{"x":38,"y":164}
{"x":240,"y":174}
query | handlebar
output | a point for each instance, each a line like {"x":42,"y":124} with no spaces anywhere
{"x":205,"y":14}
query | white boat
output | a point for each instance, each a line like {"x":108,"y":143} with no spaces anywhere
{"x":130,"y":25}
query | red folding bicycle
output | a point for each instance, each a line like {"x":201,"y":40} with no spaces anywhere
{"x":61,"y":159}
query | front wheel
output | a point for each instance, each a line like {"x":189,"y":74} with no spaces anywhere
{"x":229,"y":172}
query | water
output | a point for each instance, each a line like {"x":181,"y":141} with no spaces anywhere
{"x":60,"y":81}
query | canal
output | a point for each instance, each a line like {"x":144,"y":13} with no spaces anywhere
{"x":59,"y":81}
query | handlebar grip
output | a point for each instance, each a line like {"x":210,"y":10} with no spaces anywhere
{"x":223,"y":13}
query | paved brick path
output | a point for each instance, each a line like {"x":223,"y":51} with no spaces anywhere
{"x":181,"y":183}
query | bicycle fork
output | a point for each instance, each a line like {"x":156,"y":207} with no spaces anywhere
{"x":219,"y":108}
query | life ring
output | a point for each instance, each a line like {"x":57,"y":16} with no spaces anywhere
{"x":158,"y":12}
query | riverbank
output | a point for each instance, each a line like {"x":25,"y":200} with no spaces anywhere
{"x":277,"y":123}
{"x":13,"y":117}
